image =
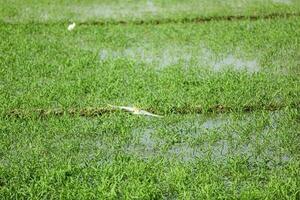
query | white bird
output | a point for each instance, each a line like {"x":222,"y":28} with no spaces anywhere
{"x":71,"y":26}
{"x":135,"y":110}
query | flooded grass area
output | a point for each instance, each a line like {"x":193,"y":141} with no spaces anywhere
{"x":218,"y":138}
{"x":217,"y":82}
{"x":145,"y":10}
{"x":230,"y":149}
{"x":181,"y":55}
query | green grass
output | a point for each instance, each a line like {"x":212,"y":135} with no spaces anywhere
{"x":232,"y":156}
{"x":45,"y":11}
{"x":62,"y":69}
{"x":228,"y":91}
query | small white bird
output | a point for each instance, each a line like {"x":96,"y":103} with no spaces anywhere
{"x":135,"y":110}
{"x":71,"y":26}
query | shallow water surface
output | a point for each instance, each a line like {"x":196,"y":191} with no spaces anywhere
{"x":219,"y":141}
{"x":182,"y":55}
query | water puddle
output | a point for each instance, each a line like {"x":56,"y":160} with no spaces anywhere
{"x":115,"y":11}
{"x":163,"y":59}
{"x":219,"y":143}
{"x":184,"y":152}
{"x":214,"y":123}
{"x":144,"y":145}
{"x":231,"y":62}
{"x":283,"y":1}
{"x":183,"y":55}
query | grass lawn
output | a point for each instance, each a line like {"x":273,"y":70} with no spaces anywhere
{"x":88,"y":11}
{"x":225,"y":76}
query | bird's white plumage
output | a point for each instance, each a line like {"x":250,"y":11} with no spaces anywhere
{"x":135,"y":110}
{"x":71,"y":26}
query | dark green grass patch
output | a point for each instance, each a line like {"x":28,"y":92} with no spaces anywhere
{"x":167,"y":68}
{"x":228,"y":91}
{"x":121,"y":156}
{"x":155,"y":11}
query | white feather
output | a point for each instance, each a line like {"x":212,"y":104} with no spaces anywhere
{"x":71,"y":26}
{"x":135,"y":111}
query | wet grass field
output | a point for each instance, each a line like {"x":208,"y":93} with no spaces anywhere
{"x":224,"y":76}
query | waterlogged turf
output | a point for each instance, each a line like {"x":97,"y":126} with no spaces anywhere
{"x":163,"y":69}
{"x":121,"y":156}
{"x":14,"y":11}
{"x":228,"y":92}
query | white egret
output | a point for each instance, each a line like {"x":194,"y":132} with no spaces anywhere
{"x":71,"y":26}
